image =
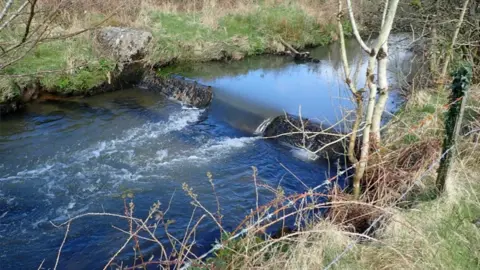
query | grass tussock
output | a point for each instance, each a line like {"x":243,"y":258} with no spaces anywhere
{"x":438,"y":234}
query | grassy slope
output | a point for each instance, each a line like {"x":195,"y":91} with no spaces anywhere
{"x":438,"y":234}
{"x":177,"y":35}
{"x":435,"y":233}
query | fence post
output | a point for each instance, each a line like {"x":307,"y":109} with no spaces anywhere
{"x":453,"y":122}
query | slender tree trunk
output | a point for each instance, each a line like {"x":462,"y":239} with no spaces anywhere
{"x":355,"y":28}
{"x":382,"y":58}
{"x":358,"y":119}
{"x":5,"y":9}
{"x":433,"y":49}
{"x":351,"y":85}
{"x":454,"y":40}
{"x":362,"y":164}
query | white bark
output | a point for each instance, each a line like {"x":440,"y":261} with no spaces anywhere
{"x":362,"y":164}
{"x":383,"y":92}
{"x":355,"y":29}
{"x":387,"y":26}
{"x":374,"y":109}
{"x":357,"y":96}
{"x":382,"y":56}
{"x":454,"y":40}
{"x":384,"y":15}
{"x":343,"y":50}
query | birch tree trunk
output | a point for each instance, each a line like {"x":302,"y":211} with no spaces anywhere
{"x":383,"y":92}
{"x":357,"y":95}
{"x":374,"y":109}
{"x":362,"y":163}
{"x":382,"y":57}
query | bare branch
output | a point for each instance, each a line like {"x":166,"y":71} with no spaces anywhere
{"x":14,"y":15}
{"x":387,"y":26}
{"x":29,"y":21}
{"x":5,"y":9}
{"x":288,"y":46}
{"x":25,"y":53}
{"x":121,"y":248}
{"x":355,"y":29}
{"x":336,"y":141}
{"x":454,"y":40}
{"x":61,"y":246}
{"x":343,"y":51}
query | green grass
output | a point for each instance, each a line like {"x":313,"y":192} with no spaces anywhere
{"x":62,"y":56}
{"x":8,"y":90}
{"x":421,"y":117}
{"x":186,"y":38}
{"x":65,"y":67}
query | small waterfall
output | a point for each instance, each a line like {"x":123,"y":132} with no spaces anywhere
{"x":261,"y":128}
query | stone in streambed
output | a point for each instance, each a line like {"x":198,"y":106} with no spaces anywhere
{"x":285,"y":129}
{"x":186,"y":91}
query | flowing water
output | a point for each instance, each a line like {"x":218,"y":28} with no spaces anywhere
{"x":59,"y":159}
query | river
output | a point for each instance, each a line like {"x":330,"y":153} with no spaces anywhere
{"x":60,"y":159}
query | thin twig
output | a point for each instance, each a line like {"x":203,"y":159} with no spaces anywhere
{"x":61,"y":246}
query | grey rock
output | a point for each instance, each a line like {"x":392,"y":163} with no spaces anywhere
{"x":127,"y":45}
{"x":285,"y":125}
{"x":181,"y":89}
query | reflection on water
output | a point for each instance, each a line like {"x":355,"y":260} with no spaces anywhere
{"x":270,"y":85}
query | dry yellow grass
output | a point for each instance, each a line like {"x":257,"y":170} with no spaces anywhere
{"x":128,"y":12}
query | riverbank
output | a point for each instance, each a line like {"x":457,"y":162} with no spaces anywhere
{"x":77,"y":66}
{"x":413,"y":228}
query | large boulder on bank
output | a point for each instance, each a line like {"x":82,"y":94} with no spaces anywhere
{"x":127,"y":45}
{"x":304,"y":133}
{"x":186,"y":91}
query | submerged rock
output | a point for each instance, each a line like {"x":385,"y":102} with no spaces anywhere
{"x":186,"y":91}
{"x":126,"y":45}
{"x":287,"y":129}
